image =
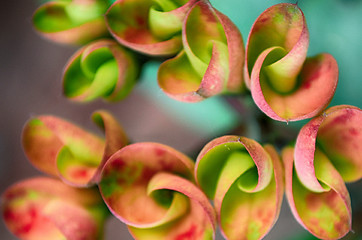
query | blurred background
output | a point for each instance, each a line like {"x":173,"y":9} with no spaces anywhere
{"x":31,"y":69}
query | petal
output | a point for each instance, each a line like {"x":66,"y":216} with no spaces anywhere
{"x":319,"y":77}
{"x":284,"y":85}
{"x":71,"y":22}
{"x":116,"y":137}
{"x":198,"y":220}
{"x":86,"y":227}
{"x":44,"y":136}
{"x":208,"y":34}
{"x":63,"y":149}
{"x":178,"y":79}
{"x":282,"y":25}
{"x":149,"y":187}
{"x":100,"y":69}
{"x":236,"y":53}
{"x":32,"y":209}
{"x":211,"y":62}
{"x":337,"y":133}
{"x":126,"y":175}
{"x":166,"y":17}
{"x":246,"y":197}
{"x":326,"y":214}
{"x":201,"y":29}
{"x":147,"y":26}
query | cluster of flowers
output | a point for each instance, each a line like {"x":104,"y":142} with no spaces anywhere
{"x":161,"y":194}
{"x":157,"y":191}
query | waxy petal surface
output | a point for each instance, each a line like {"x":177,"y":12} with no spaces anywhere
{"x":246,"y":196}
{"x":42,"y":208}
{"x":149,"y":186}
{"x":60,"y":148}
{"x":338,"y":133}
{"x":198,"y":220}
{"x":71,"y":22}
{"x":150,"y":27}
{"x":102,"y":69}
{"x":325,"y":213}
{"x":284,"y":84}
{"x":282,"y":25}
{"x":212,"y":60}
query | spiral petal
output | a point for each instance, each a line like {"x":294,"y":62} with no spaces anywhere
{"x":198,"y":220}
{"x":100,"y":69}
{"x":212,"y":60}
{"x":337,"y":133}
{"x":325,"y":213}
{"x":247,"y":198}
{"x":284,"y":84}
{"x":149,"y":187}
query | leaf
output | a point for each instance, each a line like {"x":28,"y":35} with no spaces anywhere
{"x":100,"y":69}
{"x":41,"y":208}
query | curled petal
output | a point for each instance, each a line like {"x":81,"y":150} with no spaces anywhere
{"x":198,"y":220}
{"x":247,"y":198}
{"x":100,"y":69}
{"x":212,"y":60}
{"x":150,"y":27}
{"x":42,"y":208}
{"x":71,"y":22}
{"x":338,"y":133}
{"x":282,"y":25}
{"x":284,"y":84}
{"x":325,"y":213}
{"x":59,"y":148}
{"x":149,"y":187}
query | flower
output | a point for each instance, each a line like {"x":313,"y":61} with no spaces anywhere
{"x":150,"y":27}
{"x":62,"y":149}
{"x":327,"y":153}
{"x":245,"y":181}
{"x":44,"y":208}
{"x":101,"y":69}
{"x":211,"y":60}
{"x":149,"y":186}
{"x":284,"y":84}
{"x":72,"y":21}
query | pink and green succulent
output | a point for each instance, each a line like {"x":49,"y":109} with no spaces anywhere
{"x":102,"y":69}
{"x":149,"y":186}
{"x":211,"y":60}
{"x":44,"y":208}
{"x":71,"y":21}
{"x":245,"y":181}
{"x":157,"y":191}
{"x":327,"y":153}
{"x":285,"y":84}
{"x":62,"y":149}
